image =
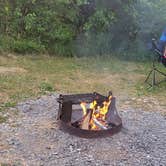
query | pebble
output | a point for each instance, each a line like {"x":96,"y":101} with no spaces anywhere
{"x":37,"y":140}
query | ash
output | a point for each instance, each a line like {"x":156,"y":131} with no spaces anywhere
{"x":33,"y":138}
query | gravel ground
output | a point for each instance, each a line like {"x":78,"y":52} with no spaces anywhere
{"x":32,"y":138}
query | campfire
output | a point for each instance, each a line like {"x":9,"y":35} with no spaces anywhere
{"x":95,"y":115}
{"x":90,"y":113}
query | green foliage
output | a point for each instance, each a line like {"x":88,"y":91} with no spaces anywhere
{"x":6,"y":43}
{"x":80,"y":27}
{"x":100,"y":21}
{"x":61,"y":49}
{"x":10,"y":104}
{"x":94,"y":44}
{"x":27,"y":46}
{"x":55,"y":24}
{"x":152,"y":17}
{"x":29,"y":21}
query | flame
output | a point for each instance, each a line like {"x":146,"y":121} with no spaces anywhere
{"x":98,"y":113}
{"x":83,"y":105}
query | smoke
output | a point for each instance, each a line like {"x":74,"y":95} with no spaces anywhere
{"x":151,"y":20}
{"x":124,"y":27}
{"x":151,"y":16}
{"x":103,"y":29}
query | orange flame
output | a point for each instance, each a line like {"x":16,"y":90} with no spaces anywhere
{"x":98,"y":114}
{"x":83,"y":105}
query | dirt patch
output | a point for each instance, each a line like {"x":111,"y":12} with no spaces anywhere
{"x":8,"y":70}
{"x":11,"y":56}
{"x":150,"y":104}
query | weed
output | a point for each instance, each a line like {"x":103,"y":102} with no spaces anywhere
{"x":45,"y":86}
{"x":10,"y":104}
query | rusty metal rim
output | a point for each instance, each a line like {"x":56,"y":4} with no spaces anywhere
{"x":88,"y":133}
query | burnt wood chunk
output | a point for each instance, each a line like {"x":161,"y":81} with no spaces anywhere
{"x":99,"y":124}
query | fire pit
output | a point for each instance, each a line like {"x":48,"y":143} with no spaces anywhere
{"x":89,"y":115}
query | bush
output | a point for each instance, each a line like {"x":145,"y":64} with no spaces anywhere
{"x":22,"y":46}
{"x":27,"y":46}
{"x":61,"y":49}
{"x":5,"y":43}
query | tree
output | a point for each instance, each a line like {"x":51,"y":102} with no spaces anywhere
{"x":68,"y":27}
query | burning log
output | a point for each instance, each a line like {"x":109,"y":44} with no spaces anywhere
{"x":95,"y":117}
{"x":86,"y":120}
{"x":99,"y":116}
{"x":99,"y":124}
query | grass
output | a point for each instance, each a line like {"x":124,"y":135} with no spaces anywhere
{"x":72,"y":75}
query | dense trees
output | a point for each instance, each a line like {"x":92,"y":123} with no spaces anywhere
{"x":78,"y":27}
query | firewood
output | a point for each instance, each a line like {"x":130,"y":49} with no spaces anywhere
{"x":99,"y":124}
{"x":85,"y":122}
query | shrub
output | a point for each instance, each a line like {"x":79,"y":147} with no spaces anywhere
{"x":61,"y":49}
{"x":5,"y":43}
{"x":27,"y":46}
{"x":22,"y":46}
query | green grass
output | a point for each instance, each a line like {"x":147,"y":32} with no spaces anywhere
{"x":9,"y":104}
{"x":72,"y":75}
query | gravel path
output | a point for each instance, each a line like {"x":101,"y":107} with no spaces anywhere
{"x":32,"y":138}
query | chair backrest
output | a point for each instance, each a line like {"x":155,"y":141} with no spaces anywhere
{"x":155,"y":47}
{"x":161,"y":57}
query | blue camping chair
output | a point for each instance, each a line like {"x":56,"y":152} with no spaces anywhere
{"x":161,"y":58}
